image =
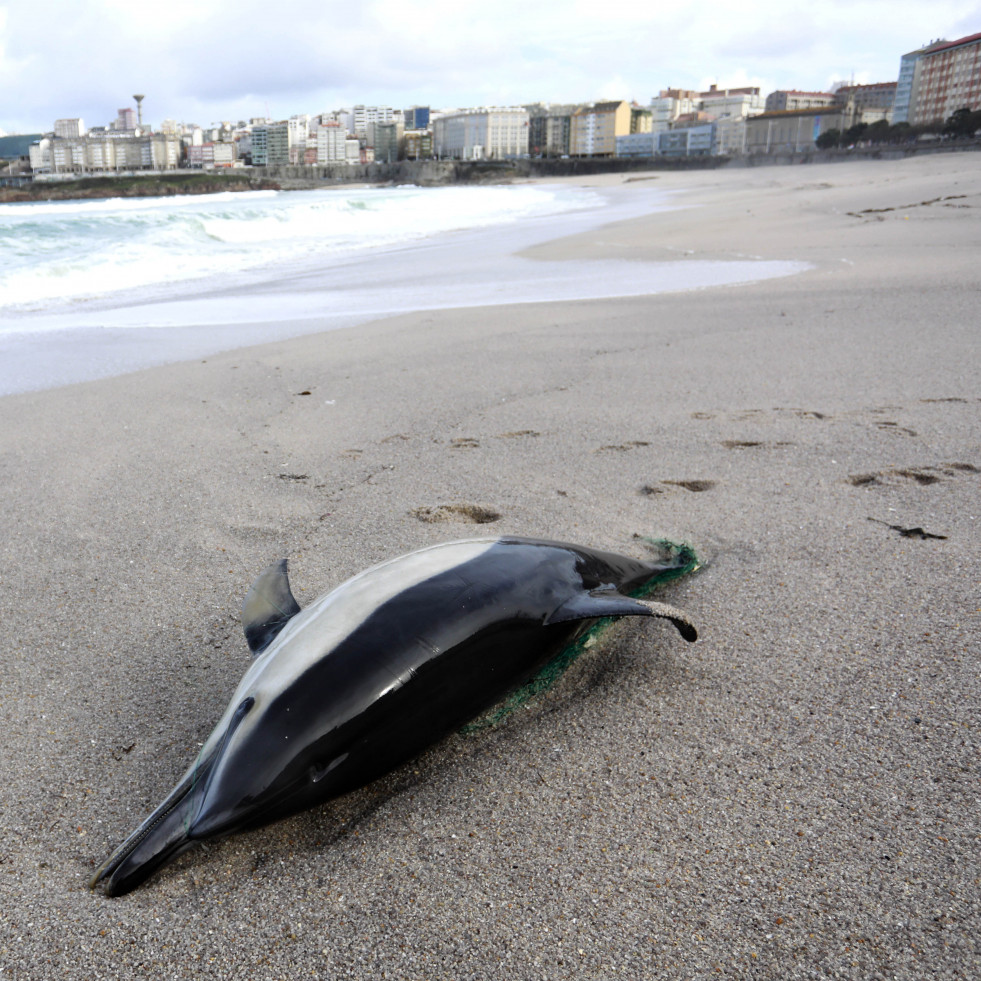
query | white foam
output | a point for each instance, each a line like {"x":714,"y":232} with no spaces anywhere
{"x":89,"y":250}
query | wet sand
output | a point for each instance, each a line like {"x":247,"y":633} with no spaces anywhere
{"x":793,"y":796}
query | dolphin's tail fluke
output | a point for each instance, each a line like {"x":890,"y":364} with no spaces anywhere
{"x":158,"y":840}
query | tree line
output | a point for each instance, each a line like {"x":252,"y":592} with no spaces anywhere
{"x":964,"y":122}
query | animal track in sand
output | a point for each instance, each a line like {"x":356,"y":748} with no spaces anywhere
{"x":464,"y":443}
{"x":472,"y":514}
{"x":518,"y":433}
{"x":921,"y":475}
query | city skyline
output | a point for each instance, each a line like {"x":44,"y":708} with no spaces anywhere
{"x":228,"y":63}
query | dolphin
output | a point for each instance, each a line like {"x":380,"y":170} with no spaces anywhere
{"x":376,"y":670}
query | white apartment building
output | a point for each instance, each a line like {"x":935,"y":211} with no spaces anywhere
{"x":211,"y":155}
{"x":669,"y":105}
{"x":298,"y":128}
{"x":331,"y":144}
{"x":103,"y":152}
{"x":729,"y":109}
{"x":67,"y":128}
{"x":477,"y":134}
{"x":358,"y":119}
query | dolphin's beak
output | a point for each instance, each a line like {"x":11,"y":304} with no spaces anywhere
{"x":160,"y":838}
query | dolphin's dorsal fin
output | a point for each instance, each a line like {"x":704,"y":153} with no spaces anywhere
{"x":607,"y":602}
{"x":268,"y":607}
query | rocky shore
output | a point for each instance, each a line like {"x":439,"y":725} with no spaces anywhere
{"x":156,"y":185}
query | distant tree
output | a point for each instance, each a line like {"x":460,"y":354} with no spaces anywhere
{"x":901,"y":133}
{"x":855,"y":133}
{"x":828,"y":139}
{"x":963,"y":122}
{"x":878,"y":132}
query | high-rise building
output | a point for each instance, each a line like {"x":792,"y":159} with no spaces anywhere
{"x":947,"y":77}
{"x":125,"y":120}
{"x":416,"y":118}
{"x":331,"y":146}
{"x":270,"y":144}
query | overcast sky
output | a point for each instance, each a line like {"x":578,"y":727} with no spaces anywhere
{"x":210,"y":60}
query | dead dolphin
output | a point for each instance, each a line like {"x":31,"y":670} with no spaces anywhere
{"x":376,"y":670}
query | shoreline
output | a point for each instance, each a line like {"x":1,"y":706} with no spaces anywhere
{"x":464,"y":268}
{"x":791,"y":796}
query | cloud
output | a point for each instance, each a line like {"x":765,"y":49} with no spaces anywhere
{"x":214,"y":60}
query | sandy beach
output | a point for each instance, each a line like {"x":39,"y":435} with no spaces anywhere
{"x":794,"y":796}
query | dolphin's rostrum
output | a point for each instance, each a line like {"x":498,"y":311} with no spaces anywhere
{"x":376,"y":670}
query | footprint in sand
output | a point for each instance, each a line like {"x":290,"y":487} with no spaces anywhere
{"x":921,"y":475}
{"x":472,"y":514}
{"x":695,"y":486}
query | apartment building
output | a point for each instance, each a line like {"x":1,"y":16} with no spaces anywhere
{"x":331,"y":144}
{"x":549,"y":128}
{"x":866,"y":103}
{"x":729,"y":109}
{"x":786,"y":100}
{"x":69,"y":128}
{"x":103,"y":152}
{"x":416,"y":118}
{"x":126,"y":120}
{"x":477,"y":134}
{"x":271,"y":144}
{"x":670,"y":105}
{"x":418,"y":144}
{"x":594,"y":129}
{"x":745,"y":101}
{"x":947,"y":77}
{"x":211,"y":155}
{"x":904,"y":86}
{"x":386,"y":139}
{"x":359,"y":117}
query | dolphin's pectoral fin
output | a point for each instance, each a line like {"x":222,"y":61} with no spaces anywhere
{"x":678,"y":617}
{"x":610,"y":603}
{"x":268,"y":607}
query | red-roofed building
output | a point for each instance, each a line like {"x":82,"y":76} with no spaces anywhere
{"x":948,"y":78}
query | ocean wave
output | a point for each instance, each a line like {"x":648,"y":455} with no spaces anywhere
{"x":61,"y":251}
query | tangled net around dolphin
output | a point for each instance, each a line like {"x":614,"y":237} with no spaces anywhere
{"x":679,"y":560}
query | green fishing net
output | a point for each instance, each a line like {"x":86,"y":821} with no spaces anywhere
{"x":676,"y":560}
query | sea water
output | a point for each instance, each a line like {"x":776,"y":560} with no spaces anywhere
{"x":80,"y":250}
{"x":97,"y":287}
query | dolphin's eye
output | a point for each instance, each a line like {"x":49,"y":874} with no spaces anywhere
{"x":242,"y":711}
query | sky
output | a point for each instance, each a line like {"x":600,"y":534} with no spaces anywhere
{"x":208,"y":61}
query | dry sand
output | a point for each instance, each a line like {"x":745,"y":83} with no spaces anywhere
{"x":794,"y":796}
